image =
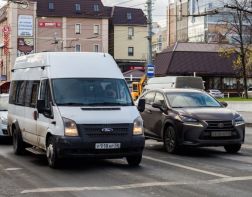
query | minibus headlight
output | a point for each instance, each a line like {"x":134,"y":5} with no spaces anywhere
{"x":138,"y":126}
{"x":239,"y":120}
{"x":70,"y":128}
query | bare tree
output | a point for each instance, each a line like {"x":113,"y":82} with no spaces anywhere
{"x":237,"y":18}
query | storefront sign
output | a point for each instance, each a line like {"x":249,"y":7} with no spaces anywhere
{"x":137,"y":68}
{"x":25,"y":25}
{"x":6,"y":39}
{"x":49,"y":24}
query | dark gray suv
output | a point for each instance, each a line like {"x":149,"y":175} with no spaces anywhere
{"x":191,"y":117}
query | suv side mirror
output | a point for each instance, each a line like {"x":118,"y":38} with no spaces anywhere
{"x":159,"y":106}
{"x":224,"y":103}
{"x":41,"y":106}
{"x":141,"y":105}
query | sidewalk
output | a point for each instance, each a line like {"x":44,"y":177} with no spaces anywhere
{"x":247,"y":117}
{"x":244,"y":108}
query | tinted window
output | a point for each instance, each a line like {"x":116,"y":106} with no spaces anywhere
{"x":13,"y":91}
{"x":159,"y":99}
{"x":20,"y":93}
{"x":31,"y":93}
{"x":45,"y":93}
{"x":149,"y":97}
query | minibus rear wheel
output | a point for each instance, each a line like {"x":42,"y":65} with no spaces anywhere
{"x":18,"y":144}
{"x":51,"y":153}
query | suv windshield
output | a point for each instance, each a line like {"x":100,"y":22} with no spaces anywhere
{"x":4,"y":101}
{"x":191,"y":99}
{"x":91,"y":92}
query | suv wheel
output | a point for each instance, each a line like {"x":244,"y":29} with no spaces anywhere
{"x":232,"y":148}
{"x":18,"y":144}
{"x":134,"y":160}
{"x":170,"y":140}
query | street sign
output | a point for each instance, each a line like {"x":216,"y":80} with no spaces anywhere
{"x":150,"y":71}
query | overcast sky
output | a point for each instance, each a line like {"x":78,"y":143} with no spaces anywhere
{"x":159,"y":7}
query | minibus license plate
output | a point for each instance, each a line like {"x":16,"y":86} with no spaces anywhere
{"x":107,"y":145}
{"x":221,"y":134}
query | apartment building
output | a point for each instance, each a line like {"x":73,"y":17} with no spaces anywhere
{"x":128,"y":37}
{"x":51,"y":26}
{"x":159,"y":38}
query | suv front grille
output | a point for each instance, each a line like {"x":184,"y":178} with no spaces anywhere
{"x":222,"y":127}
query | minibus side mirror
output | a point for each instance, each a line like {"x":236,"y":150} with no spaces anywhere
{"x":41,"y":106}
{"x":141,"y":105}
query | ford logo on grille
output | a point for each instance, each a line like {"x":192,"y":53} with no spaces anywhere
{"x":107,"y":130}
{"x":220,"y":125}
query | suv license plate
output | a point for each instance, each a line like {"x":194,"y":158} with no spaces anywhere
{"x":221,"y":134}
{"x":107,"y":145}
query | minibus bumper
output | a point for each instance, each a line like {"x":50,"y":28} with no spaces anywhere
{"x":78,"y":147}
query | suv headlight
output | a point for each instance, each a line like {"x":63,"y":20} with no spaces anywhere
{"x":189,"y":120}
{"x":239,"y":120}
{"x":138,"y":126}
{"x":4,"y":120}
{"x":70,"y":127}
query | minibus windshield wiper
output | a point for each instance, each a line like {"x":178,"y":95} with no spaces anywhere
{"x":70,"y":104}
{"x":107,"y":104}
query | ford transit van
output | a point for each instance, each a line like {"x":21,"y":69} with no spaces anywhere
{"x":61,"y":104}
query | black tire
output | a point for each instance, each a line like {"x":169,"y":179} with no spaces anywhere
{"x":134,"y":160}
{"x":51,"y":153}
{"x":170,"y":140}
{"x":18,"y":144}
{"x":232,"y":148}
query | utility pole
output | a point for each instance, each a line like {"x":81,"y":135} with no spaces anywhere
{"x":149,"y":26}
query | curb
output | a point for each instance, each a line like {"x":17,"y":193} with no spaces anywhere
{"x":248,"y":124}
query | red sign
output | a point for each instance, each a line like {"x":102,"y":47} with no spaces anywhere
{"x":137,"y":68}
{"x":50,"y":24}
{"x":6,"y":29}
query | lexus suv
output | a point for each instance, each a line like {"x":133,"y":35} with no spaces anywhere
{"x":190,"y":117}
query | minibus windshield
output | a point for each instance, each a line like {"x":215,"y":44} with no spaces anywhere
{"x":91,"y":92}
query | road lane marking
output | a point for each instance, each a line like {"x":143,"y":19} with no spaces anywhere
{"x":136,"y":186}
{"x":186,"y":167}
{"x":247,"y":146}
{"x":12,"y":169}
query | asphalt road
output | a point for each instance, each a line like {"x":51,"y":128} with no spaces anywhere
{"x":196,"y":172}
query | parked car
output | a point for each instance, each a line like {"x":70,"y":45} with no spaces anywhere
{"x":249,"y":93}
{"x":216,"y":93}
{"x":4,"y":99}
{"x":191,"y":117}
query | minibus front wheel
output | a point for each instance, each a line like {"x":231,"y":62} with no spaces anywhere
{"x":51,"y":153}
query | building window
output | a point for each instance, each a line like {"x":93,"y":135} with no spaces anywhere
{"x":51,"y":6}
{"x":96,"y":48}
{"x":96,"y":29}
{"x":96,"y":7}
{"x":77,"y":48}
{"x":130,"y":51}
{"x":77,"y":28}
{"x":129,"y":16}
{"x":77,"y":8}
{"x":130,"y":32}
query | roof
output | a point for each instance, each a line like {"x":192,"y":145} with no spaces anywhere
{"x":67,"y":9}
{"x":119,"y":16}
{"x":176,"y":90}
{"x":66,"y":65}
{"x":187,"y":60}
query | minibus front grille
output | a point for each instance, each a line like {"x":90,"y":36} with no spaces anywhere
{"x":100,"y":130}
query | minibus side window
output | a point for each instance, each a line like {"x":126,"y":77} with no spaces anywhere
{"x":13,"y":91}
{"x":20,"y":93}
{"x":45,"y":94}
{"x":32,"y":88}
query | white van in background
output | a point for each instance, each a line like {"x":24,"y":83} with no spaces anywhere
{"x":174,"y":82}
{"x":69,"y":104}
